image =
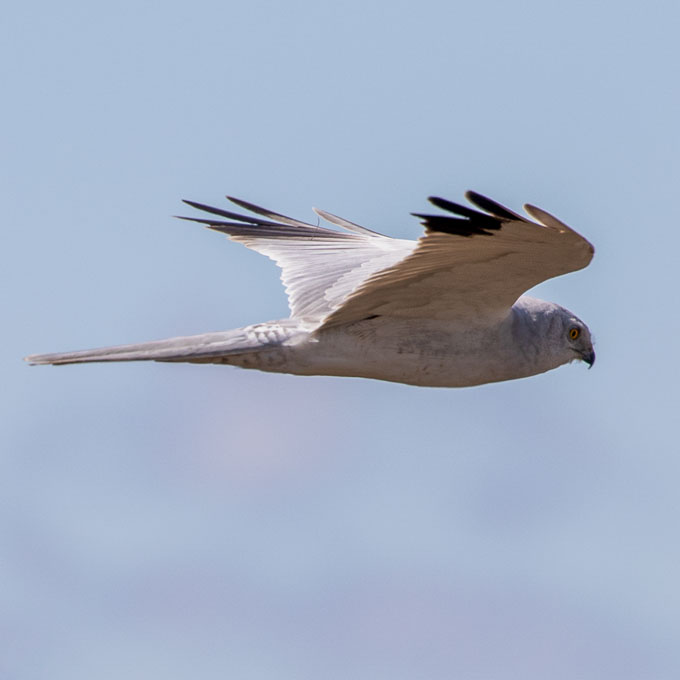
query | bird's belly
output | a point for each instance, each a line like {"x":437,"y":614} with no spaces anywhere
{"x":409,"y":351}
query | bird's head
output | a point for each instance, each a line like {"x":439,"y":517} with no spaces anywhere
{"x":563,"y":336}
{"x":574,"y":337}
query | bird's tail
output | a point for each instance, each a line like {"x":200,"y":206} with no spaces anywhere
{"x":205,"y":348}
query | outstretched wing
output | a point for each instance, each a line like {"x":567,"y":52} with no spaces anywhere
{"x":320,"y":267}
{"x":471,"y":266}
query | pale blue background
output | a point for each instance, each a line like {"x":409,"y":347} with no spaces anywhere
{"x":168,"y":521}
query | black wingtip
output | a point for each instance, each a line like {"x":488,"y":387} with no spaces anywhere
{"x":492,"y":207}
{"x":218,"y":225}
{"x":247,"y":205}
{"x":198,"y":220}
{"x":247,"y":219}
{"x":468,"y":222}
{"x":455,"y":208}
{"x":269,"y":214}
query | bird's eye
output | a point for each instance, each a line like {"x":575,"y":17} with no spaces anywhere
{"x":574,"y":333}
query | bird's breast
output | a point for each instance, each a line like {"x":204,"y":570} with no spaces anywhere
{"x":413,"y":351}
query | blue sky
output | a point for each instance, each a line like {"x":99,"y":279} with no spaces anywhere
{"x":193,"y":521}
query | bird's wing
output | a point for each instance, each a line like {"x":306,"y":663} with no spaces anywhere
{"x":470,"y":264}
{"x":320,"y":267}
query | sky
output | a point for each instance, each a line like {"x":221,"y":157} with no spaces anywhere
{"x":184,"y":521}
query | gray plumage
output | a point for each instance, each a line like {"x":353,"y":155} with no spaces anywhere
{"x":447,"y":310}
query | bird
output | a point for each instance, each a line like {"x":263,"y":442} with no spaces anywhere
{"x":447,"y":310}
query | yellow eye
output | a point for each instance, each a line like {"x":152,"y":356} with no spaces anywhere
{"x":574,"y":333}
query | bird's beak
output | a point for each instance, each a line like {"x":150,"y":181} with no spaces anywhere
{"x":589,"y":357}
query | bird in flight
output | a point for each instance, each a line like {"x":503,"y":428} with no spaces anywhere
{"x":447,"y":310}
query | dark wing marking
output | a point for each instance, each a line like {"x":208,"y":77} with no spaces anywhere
{"x":492,"y":207}
{"x":469,"y":222}
{"x":230,"y":215}
{"x":342,"y":222}
{"x":247,"y":225}
{"x":284,"y":219}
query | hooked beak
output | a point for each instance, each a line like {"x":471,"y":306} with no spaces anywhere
{"x":589,"y":357}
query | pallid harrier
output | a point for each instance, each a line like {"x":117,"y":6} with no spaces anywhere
{"x":446,"y":310}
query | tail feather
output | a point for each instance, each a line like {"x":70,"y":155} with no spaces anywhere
{"x":194,"y":348}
